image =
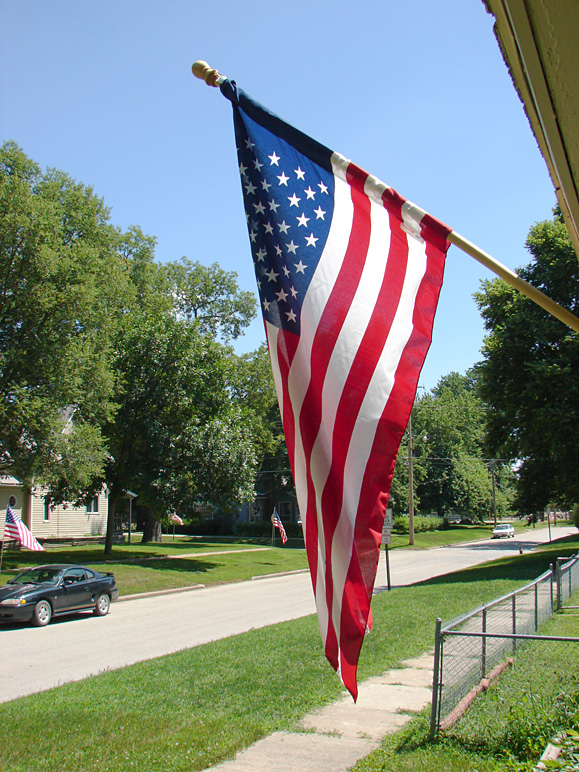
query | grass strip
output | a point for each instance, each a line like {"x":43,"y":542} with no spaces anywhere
{"x":508,"y":727}
{"x":187,"y":561}
{"x":193,"y":709}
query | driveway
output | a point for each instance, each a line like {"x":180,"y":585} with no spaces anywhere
{"x":35,"y":659}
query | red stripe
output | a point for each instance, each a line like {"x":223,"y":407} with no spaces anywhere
{"x":287,"y":343}
{"x":359,"y":377}
{"x":327,"y":332}
{"x":380,"y":467}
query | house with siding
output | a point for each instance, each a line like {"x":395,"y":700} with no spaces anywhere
{"x":54,"y":521}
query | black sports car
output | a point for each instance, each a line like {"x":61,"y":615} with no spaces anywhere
{"x":38,"y":594}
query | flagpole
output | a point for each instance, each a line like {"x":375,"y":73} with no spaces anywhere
{"x":538,"y":297}
{"x":214,"y":78}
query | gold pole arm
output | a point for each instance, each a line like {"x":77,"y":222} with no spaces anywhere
{"x":204,"y":72}
{"x":538,"y":297}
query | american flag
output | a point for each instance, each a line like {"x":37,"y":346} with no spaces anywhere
{"x":276,"y":520}
{"x":349,"y":275}
{"x":14,"y":528}
{"x":174,"y":518}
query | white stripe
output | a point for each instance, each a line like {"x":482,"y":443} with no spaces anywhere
{"x":347,"y":345}
{"x":317,"y":296}
{"x":375,"y":400}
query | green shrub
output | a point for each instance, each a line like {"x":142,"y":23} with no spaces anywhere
{"x":422,"y":523}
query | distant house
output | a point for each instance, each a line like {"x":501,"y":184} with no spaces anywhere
{"x":54,"y":521}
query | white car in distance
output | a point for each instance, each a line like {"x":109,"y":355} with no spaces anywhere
{"x":504,"y":530}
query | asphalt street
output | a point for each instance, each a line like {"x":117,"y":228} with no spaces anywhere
{"x":69,"y":649}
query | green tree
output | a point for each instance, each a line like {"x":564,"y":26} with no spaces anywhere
{"x":178,"y":437}
{"x":528,"y":375}
{"x":62,"y":285}
{"x":448,"y":438}
{"x":209,"y":296}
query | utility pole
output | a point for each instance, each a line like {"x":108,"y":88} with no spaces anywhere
{"x":494,"y":497}
{"x":410,"y":486}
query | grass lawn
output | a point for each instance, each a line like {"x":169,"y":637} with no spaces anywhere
{"x":188,"y":561}
{"x":507,"y":728}
{"x":190,"y":710}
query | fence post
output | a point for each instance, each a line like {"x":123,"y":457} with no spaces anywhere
{"x":559,"y":588}
{"x":536,"y":606}
{"x":551,"y":570}
{"x":484,"y":643}
{"x":436,"y":681}
{"x":514,"y":614}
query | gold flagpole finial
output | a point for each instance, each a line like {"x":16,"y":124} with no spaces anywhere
{"x":204,"y":72}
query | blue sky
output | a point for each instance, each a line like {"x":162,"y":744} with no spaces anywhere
{"x":416,"y":93}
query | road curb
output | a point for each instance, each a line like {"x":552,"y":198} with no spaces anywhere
{"x":153,"y":593}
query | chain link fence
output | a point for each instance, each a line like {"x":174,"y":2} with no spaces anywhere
{"x":469,"y":647}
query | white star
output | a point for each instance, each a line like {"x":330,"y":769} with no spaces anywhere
{"x":261,"y":255}
{"x":300,"y":175}
{"x":266,"y":305}
{"x":300,"y":267}
{"x":294,"y":200}
{"x":303,"y":220}
{"x":265,"y":185}
{"x":319,"y":212}
{"x":291,"y":247}
{"x":294,"y":292}
{"x":291,"y":317}
{"x":278,"y":251}
{"x":322,"y":187}
{"x":250,"y":189}
{"x":268,"y":228}
{"x":271,"y":275}
{"x":249,"y":144}
{"x":257,"y":165}
{"x":310,"y":193}
{"x":283,"y":179}
{"x":253,"y":236}
{"x":281,"y":295}
{"x":311,"y":240}
{"x":259,"y":209}
{"x":242,"y":169}
{"x":274,"y":159}
{"x":273,"y":207}
{"x":283,"y":227}
{"x":286,"y":270}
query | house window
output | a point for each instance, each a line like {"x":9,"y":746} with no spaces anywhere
{"x":92,"y":507}
{"x":284,"y":509}
{"x":46,"y":516}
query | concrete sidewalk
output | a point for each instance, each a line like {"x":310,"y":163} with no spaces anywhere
{"x":334,"y":738}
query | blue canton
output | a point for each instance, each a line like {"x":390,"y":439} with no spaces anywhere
{"x":289,"y":203}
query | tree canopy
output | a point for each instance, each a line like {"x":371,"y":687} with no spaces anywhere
{"x":451,"y":473}
{"x":528,"y":375}
{"x":116,"y":369}
{"x":62,"y":287}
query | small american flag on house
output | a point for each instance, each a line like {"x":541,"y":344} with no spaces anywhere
{"x":14,"y":528}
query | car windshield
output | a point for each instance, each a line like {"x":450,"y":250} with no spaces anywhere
{"x":36,"y":576}
{"x":502,"y":528}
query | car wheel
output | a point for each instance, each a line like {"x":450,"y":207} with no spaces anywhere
{"x":103,"y":605}
{"x":42,"y":613}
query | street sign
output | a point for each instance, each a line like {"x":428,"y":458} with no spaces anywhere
{"x":386,"y":537}
{"x":387,"y":527}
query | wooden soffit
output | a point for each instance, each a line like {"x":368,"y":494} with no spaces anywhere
{"x":540,"y":44}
